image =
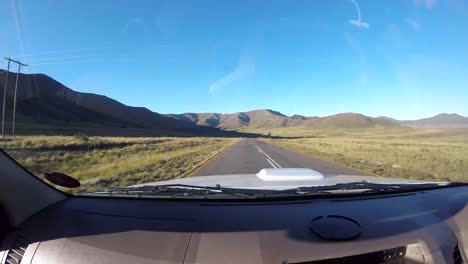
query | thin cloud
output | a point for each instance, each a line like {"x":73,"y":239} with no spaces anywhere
{"x":415,"y":25}
{"x":356,"y":47}
{"x":244,"y":69}
{"x":429,"y":4}
{"x":55,"y":52}
{"x":132,"y":23}
{"x":358,"y":22}
{"x":394,"y":39}
{"x":362,"y":78}
{"x":87,"y":50}
{"x":17,"y":17}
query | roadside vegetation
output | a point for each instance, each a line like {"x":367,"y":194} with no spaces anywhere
{"x":99,"y":162}
{"x":432,"y":155}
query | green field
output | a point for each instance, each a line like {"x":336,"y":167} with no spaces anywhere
{"x":100,"y":162}
{"x":403,"y":153}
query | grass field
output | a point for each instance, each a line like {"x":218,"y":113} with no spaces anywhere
{"x":100,"y":162}
{"x":403,"y":153}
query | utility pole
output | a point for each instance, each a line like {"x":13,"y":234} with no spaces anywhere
{"x":14,"y":97}
{"x":4,"y":99}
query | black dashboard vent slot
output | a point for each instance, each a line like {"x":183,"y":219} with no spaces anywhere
{"x":457,"y":256}
{"x":392,"y":255}
{"x":16,"y":252}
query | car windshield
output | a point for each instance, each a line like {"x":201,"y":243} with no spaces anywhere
{"x":235,"y":98}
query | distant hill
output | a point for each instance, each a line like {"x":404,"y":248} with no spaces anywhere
{"x":43,"y":101}
{"x":265,"y":118}
{"x":353,"y":120}
{"x":256,"y":118}
{"x":438,"y":121}
{"x":301,"y":117}
{"x":388,"y":119}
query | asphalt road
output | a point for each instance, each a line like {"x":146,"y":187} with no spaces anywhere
{"x":249,"y":156}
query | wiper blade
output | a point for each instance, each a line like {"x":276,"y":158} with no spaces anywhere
{"x":179,"y":191}
{"x":218,"y":192}
{"x":367,"y":187}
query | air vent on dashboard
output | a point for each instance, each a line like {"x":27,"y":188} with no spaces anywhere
{"x":16,"y":252}
{"x":457,"y":257}
{"x":384,"y":256}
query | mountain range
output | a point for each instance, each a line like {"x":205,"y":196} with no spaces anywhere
{"x":45,"y":102}
{"x":266,"y":118}
{"x":439,"y":121}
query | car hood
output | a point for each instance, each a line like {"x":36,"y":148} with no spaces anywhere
{"x":277,"y":179}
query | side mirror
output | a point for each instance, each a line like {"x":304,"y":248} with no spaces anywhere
{"x":61,"y":179}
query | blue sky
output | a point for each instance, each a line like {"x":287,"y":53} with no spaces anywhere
{"x":401,"y":58}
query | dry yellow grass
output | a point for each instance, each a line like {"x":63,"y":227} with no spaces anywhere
{"x":100,"y":162}
{"x":426,"y":155}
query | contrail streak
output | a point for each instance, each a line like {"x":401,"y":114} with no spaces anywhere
{"x":54,"y":52}
{"x":89,"y":58}
{"x":358,"y":9}
{"x":17,"y":17}
{"x":358,"y":21}
{"x":78,"y":50}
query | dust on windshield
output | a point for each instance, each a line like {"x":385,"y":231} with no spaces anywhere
{"x":129,"y":94}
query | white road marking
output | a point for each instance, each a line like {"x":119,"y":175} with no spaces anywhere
{"x":276,"y":163}
{"x":271,"y":163}
{"x":268,"y":157}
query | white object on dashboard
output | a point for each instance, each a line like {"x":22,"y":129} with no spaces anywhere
{"x":289,"y":175}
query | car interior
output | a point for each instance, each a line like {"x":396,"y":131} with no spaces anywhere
{"x":40,"y":224}
{"x":234,"y":132}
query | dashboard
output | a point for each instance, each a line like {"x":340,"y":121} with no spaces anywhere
{"x":416,"y":227}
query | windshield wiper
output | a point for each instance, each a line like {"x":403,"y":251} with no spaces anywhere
{"x":180,"y":191}
{"x":367,"y":187}
{"x":218,"y":192}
